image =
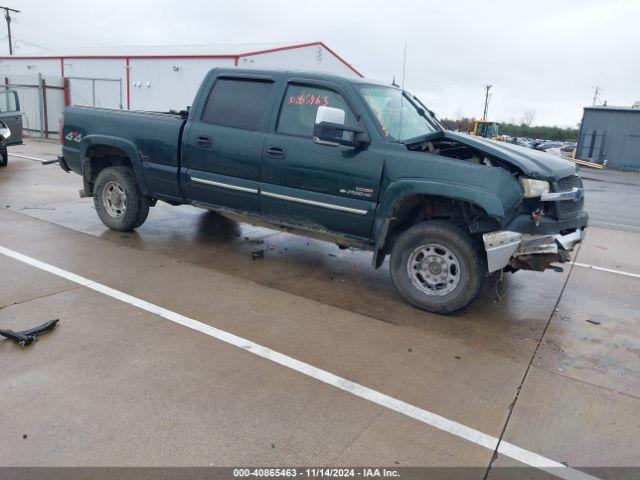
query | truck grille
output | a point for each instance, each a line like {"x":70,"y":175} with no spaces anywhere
{"x":567,"y":183}
{"x":568,"y":208}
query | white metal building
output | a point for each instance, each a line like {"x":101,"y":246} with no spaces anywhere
{"x":163,"y":77}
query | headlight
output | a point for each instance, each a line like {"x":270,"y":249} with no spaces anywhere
{"x":534,"y":188}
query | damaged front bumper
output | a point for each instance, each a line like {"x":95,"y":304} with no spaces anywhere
{"x":521,"y":251}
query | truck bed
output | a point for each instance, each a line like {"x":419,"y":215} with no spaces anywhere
{"x":152,"y":140}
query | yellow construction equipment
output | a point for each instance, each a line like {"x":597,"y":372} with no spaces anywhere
{"x":486,"y":129}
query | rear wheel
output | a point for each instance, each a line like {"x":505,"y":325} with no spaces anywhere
{"x":437,"y":266}
{"x":118,"y":200}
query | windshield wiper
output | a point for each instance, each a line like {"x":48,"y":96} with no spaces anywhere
{"x":431,"y":118}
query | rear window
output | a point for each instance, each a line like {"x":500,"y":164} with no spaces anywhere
{"x":237,"y":103}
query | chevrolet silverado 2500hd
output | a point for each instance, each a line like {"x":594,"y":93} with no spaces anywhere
{"x":347,"y":160}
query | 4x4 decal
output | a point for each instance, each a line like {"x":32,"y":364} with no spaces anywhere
{"x":74,"y":136}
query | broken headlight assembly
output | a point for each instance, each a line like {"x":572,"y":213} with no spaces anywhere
{"x":534,"y":188}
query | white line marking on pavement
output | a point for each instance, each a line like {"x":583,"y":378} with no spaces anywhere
{"x":610,"y":270}
{"x":28,"y":157}
{"x":596,"y":223}
{"x":442,"y":423}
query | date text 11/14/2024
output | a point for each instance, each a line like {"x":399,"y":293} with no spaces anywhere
{"x":318,"y":472}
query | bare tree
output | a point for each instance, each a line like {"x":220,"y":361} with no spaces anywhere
{"x":528,"y":117}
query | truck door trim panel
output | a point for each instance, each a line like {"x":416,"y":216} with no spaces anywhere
{"x":315,"y":203}
{"x":223,"y":185}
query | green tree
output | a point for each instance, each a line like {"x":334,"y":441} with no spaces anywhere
{"x":543,"y":132}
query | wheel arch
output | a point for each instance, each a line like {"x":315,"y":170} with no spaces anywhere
{"x":100,"y":151}
{"x":408,"y":202}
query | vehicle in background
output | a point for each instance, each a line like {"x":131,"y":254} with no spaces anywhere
{"x":524,"y":142}
{"x":10,"y":123}
{"x":546,"y":145}
{"x":346,"y":160}
{"x":485,"y":129}
{"x":569,"y":149}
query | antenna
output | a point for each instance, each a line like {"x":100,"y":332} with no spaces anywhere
{"x":404,"y":65}
{"x":404,"y":69}
{"x":7,"y":17}
{"x":486,"y":101}
{"x":596,"y":93}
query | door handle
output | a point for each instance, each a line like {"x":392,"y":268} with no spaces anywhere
{"x":203,"y":141}
{"x":275,"y":152}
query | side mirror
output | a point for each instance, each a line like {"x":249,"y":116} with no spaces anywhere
{"x":331,"y":130}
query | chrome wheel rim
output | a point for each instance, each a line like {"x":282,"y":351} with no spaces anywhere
{"x":114,"y":199}
{"x":433,"y":269}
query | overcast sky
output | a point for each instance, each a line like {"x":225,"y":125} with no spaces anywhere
{"x":540,"y":55}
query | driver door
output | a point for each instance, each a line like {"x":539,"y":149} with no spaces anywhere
{"x":312,"y":184}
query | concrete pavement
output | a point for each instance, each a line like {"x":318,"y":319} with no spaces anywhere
{"x":523,"y":363}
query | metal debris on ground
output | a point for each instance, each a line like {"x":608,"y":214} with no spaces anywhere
{"x":257,"y":254}
{"x":595,"y":322}
{"x":27,"y":337}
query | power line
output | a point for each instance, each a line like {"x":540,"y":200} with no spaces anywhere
{"x":7,"y":17}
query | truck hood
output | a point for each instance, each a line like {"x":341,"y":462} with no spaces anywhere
{"x":532,"y":163}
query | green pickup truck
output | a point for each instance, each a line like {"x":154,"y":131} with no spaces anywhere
{"x":350,"y":161}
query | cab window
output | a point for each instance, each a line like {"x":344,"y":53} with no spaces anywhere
{"x":299,"y":107}
{"x":237,"y":103}
{"x":8,"y":102}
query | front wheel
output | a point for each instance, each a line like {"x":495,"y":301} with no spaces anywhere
{"x":437,"y":266}
{"x":118,"y":200}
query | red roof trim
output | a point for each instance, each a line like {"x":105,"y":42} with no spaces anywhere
{"x":280,"y":49}
{"x":234,"y":57}
{"x":342,"y":60}
{"x":303,"y":45}
{"x":114,"y":57}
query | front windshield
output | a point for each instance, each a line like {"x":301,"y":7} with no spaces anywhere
{"x":398,"y":117}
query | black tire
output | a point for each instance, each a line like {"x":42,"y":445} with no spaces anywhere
{"x":4,"y":155}
{"x":115,"y":212}
{"x":452,"y":254}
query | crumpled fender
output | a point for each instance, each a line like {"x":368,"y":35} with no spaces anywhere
{"x":498,"y":199}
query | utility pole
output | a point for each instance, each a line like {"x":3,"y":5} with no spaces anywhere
{"x":7,"y":17}
{"x":486,"y":101}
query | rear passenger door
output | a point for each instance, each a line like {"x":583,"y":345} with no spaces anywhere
{"x":224,"y":143}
